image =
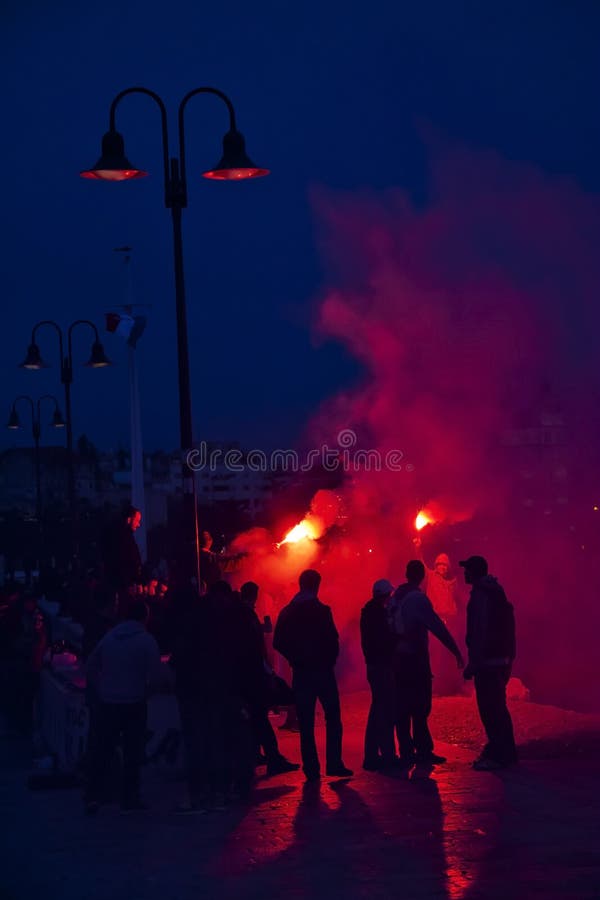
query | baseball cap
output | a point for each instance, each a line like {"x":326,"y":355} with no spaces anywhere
{"x":475,"y":564}
{"x":382,"y":587}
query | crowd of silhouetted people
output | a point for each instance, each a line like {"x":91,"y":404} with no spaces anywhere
{"x":209,"y":649}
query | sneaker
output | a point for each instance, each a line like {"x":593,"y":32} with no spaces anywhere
{"x":431,"y":759}
{"x":281,"y":765}
{"x":340,"y":771}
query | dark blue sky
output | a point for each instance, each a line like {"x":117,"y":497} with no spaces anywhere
{"x":327,"y":93}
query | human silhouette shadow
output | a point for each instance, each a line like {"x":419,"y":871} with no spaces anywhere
{"x":372,"y":837}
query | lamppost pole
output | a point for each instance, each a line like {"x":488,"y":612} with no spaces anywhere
{"x":113,"y":165}
{"x":98,"y":359}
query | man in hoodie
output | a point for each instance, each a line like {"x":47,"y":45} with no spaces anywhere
{"x":378,"y":642}
{"x":306,"y":636}
{"x":122,"y":670}
{"x":491,"y":644}
{"x":412,"y":617}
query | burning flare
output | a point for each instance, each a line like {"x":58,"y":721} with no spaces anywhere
{"x":306,"y":529}
{"x":423,"y":518}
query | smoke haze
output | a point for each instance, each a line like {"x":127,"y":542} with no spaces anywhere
{"x":475,"y":320}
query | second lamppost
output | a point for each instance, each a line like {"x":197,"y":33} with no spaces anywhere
{"x":234,"y":165}
{"x":97,"y":360}
{"x":36,"y":431}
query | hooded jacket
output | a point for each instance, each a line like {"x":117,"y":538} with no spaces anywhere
{"x":125,"y":666}
{"x":306,"y":635}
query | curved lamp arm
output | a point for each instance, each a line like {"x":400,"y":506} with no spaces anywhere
{"x":47,"y":397}
{"x":70,"y":334}
{"x":163,"y":119}
{"x":58,"y":330}
{"x":182,"y":106}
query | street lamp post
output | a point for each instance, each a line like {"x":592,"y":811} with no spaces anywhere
{"x":234,"y":165}
{"x":97,"y":360}
{"x":36,"y":430}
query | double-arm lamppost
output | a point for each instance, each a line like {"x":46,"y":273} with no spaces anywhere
{"x":36,"y":430}
{"x":234,"y":165}
{"x":97,"y":360}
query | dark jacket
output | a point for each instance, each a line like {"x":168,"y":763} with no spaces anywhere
{"x":306,"y":635}
{"x":197,"y":654}
{"x":376,"y":636}
{"x":417,"y":616}
{"x":491,"y":637}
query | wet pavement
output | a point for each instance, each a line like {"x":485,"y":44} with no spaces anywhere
{"x":532,"y":831}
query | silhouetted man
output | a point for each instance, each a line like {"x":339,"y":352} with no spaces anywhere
{"x":122,"y":559}
{"x":378,"y":642}
{"x":413,"y":617}
{"x":491,"y":644}
{"x":306,"y":636}
{"x":256,"y":687}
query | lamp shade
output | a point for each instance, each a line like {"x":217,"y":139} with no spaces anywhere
{"x":57,"y":419}
{"x":13,"y":420}
{"x":98,"y":358}
{"x":33,"y":360}
{"x":113,"y":165}
{"x":235,"y":164}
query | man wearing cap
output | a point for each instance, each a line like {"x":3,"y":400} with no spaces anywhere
{"x":413,"y":617}
{"x":378,"y":642}
{"x":492,"y":648}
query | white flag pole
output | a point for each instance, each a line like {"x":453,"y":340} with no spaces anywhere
{"x":138,"y":497}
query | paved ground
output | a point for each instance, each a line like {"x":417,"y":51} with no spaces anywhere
{"x":448,"y":833}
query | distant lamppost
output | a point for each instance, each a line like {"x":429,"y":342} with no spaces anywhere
{"x":97,"y":360}
{"x":36,"y":430}
{"x":234,"y":165}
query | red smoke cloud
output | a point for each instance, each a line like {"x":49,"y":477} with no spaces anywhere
{"x":475,"y":319}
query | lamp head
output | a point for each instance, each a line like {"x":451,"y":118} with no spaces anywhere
{"x":13,"y":420}
{"x":113,"y":165}
{"x":33,"y":360}
{"x":98,"y":358}
{"x":235,"y":164}
{"x":57,"y":419}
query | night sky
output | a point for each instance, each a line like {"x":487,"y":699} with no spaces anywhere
{"x":328,"y":95}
